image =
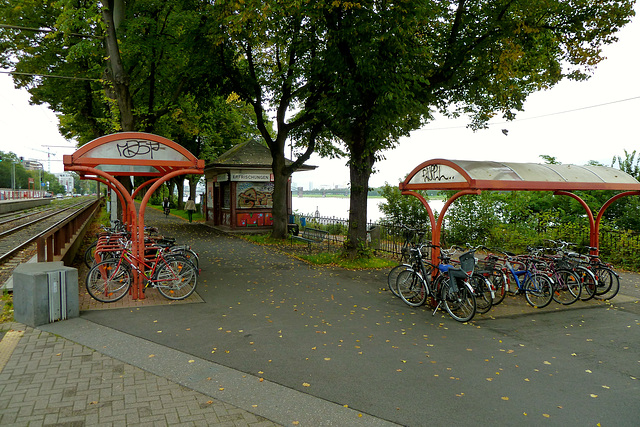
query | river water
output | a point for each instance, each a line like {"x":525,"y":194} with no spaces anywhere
{"x":338,"y":207}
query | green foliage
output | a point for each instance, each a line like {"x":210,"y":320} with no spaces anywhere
{"x":629,"y":164}
{"x":471,"y":218}
{"x":399,"y":209}
{"x":336,"y":229}
{"x":6,"y":315}
{"x":10,"y":169}
{"x":171,"y":76}
{"x":550,"y":160}
{"x":623,"y":251}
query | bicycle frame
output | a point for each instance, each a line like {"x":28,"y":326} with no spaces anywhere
{"x":516,"y":274}
{"x":128,"y":257}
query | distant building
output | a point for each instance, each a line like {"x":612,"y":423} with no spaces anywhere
{"x":66,"y":180}
{"x":31,"y":165}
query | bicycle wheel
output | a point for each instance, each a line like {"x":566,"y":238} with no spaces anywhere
{"x":392,"y":277}
{"x":108,"y":281}
{"x":588,"y":281}
{"x":605,"y":277}
{"x":499,"y":281}
{"x":187,"y":253}
{"x":460,"y":304}
{"x":412,"y":288}
{"x":176,"y":277}
{"x":538,"y":290}
{"x":567,"y":287}
{"x":482,"y":291}
{"x":89,"y":259}
{"x":613,"y":288}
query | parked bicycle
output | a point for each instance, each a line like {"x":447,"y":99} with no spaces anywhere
{"x":108,"y":244}
{"x":173,"y":275}
{"x":451,"y":286}
{"x":407,"y":259}
{"x":525,"y":275}
{"x":608,"y":279}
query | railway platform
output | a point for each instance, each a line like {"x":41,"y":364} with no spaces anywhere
{"x":275,"y":341}
{"x":12,"y":205}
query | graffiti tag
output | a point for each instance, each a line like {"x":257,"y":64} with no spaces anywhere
{"x":433,"y":173}
{"x":134,"y":148}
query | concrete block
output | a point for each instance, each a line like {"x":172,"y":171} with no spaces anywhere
{"x":44,"y":292}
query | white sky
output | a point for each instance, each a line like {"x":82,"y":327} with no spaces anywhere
{"x":574,"y":122}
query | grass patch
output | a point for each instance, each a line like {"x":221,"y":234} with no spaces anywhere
{"x":322,"y":258}
{"x":263,"y":239}
{"x":336,"y":258}
{"x":6,"y":315}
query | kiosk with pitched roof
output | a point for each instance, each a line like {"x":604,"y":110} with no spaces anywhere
{"x":240,"y":188}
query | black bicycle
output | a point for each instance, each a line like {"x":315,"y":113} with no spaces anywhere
{"x":451,"y":286}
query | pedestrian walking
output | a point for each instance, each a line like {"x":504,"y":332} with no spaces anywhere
{"x":165,"y":206}
{"x":190,"y":206}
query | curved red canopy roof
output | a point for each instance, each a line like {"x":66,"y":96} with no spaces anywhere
{"x":133,"y":154}
{"x":441,"y":174}
{"x":473,"y":177}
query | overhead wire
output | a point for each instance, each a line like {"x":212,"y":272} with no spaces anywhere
{"x":541,"y":115}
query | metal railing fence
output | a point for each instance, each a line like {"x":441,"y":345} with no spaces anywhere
{"x":621,"y":247}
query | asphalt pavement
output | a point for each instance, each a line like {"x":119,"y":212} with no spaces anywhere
{"x":271,"y":340}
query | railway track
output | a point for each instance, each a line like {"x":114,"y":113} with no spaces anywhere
{"x":18,"y":237}
{"x":15,"y":219}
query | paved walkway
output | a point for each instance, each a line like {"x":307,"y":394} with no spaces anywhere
{"x":273,"y":341}
{"x":49,"y":380}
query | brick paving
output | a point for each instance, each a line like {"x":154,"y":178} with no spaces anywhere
{"x":49,"y":380}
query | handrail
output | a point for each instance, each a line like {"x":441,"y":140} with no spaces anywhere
{"x":53,"y":243}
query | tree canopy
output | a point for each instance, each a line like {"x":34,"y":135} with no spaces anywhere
{"x":116,"y":65}
{"x":362,"y":72}
{"x":392,"y":64}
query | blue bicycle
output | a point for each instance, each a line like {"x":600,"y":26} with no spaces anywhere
{"x":528,"y":275}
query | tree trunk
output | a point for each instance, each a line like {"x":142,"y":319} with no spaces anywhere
{"x":280,"y":194}
{"x":360,"y":168}
{"x":126,"y":182}
{"x":170,"y":185}
{"x":118,"y":75}
{"x":180,"y":184}
{"x":193,"y":184}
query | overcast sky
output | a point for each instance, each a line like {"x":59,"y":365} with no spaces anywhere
{"x":574,"y":122}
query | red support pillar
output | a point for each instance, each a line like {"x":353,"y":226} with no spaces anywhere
{"x":593,"y":230}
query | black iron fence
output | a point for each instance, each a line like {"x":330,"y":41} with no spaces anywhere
{"x":620,"y":247}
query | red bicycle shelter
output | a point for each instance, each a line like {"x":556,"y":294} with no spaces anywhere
{"x":133,"y":154}
{"x":472,"y":177}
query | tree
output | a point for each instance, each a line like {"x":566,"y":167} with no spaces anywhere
{"x":158,"y":78}
{"x":270,"y":52}
{"x":629,"y":164}
{"x":392,"y":64}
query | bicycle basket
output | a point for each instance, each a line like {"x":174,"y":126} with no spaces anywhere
{"x":488,"y":264}
{"x":565,"y":263}
{"x":468,"y":262}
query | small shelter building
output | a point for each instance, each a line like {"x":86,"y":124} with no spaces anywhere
{"x":472,"y":177}
{"x":240,"y":188}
